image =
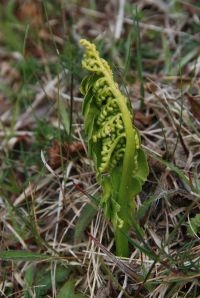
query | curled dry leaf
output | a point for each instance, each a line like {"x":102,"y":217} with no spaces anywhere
{"x":63,"y":152}
{"x":194,"y":105}
{"x":30,"y":11}
{"x":151,"y":87}
{"x":142,"y":120}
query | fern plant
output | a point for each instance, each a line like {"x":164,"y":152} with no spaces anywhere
{"x":113,"y":143}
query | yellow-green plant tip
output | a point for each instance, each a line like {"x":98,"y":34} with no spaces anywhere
{"x":113,"y":142}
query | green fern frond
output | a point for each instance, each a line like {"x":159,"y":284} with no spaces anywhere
{"x":113,"y":141}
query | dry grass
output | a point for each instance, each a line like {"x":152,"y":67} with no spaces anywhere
{"x":47,"y":183}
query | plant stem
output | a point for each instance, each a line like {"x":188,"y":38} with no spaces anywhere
{"x":125,"y":197}
{"x":121,"y":242}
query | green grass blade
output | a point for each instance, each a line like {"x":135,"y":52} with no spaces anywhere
{"x":20,"y":255}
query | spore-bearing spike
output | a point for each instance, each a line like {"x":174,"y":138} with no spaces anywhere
{"x":112,"y":152}
{"x":108,"y":109}
{"x":114,"y":144}
{"x":112,"y":126}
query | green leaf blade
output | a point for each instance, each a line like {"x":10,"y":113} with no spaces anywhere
{"x":20,"y":255}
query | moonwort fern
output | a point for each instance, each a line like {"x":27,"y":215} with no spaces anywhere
{"x":113,"y":143}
